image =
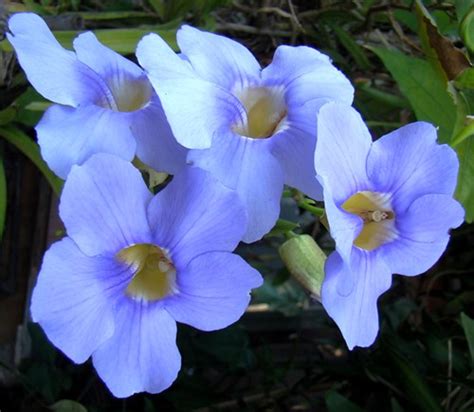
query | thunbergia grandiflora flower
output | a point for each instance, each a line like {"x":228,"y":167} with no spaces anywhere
{"x":105,"y":102}
{"x":254,"y":129}
{"x":389,"y":206}
{"x":133,"y":264}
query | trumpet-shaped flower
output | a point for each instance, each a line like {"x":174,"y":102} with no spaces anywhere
{"x":389,"y":206}
{"x":134,"y":264}
{"x":254,"y":129}
{"x":105,"y":102}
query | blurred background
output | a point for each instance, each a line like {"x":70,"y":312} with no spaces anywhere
{"x":407,"y":60}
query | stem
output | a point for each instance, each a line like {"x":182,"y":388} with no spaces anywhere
{"x":317,"y":211}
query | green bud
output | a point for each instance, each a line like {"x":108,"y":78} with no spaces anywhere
{"x":305,"y":261}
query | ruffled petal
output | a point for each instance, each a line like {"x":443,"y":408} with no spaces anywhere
{"x":355,"y":313}
{"x":73,"y":299}
{"x":69,"y":136}
{"x":156,"y":145}
{"x":142,"y":354}
{"x":423,"y":233}
{"x":213,"y":291}
{"x":409,"y":163}
{"x":307,"y":75}
{"x":342,"y":148}
{"x":196,"y":109}
{"x":247,"y":166}
{"x":218,"y":59}
{"x":54,"y":72}
{"x":195,"y":214}
{"x":103,"y":205}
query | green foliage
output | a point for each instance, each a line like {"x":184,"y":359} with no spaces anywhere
{"x":468,"y":326}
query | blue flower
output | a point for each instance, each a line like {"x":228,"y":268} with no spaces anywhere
{"x":105,"y":102}
{"x":389,"y":205}
{"x":134,"y":264}
{"x":254,"y":129}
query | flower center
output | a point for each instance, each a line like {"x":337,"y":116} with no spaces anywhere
{"x":154,"y":273}
{"x":129,"y":94}
{"x":266,"y":111}
{"x":376,"y":212}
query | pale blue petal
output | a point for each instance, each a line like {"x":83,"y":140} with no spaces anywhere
{"x":156,"y":145}
{"x":218,"y":59}
{"x":355,"y":313}
{"x":409,"y":163}
{"x":73,"y":299}
{"x":54,"y":72}
{"x":307,"y":75}
{"x":247,"y":166}
{"x":195,"y":214}
{"x":213,"y":291}
{"x":69,"y":136}
{"x":342,"y":148}
{"x":142,"y":354}
{"x":103,"y":205}
{"x":423,"y":234}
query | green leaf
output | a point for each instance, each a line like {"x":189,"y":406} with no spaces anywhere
{"x":357,"y":52}
{"x":305,"y":261}
{"x":425,"y":89}
{"x":335,"y":402}
{"x":3,"y":197}
{"x":465,"y":188}
{"x":31,"y":150}
{"x":66,"y":405}
{"x":468,"y":326}
{"x":465,"y":80}
{"x":467,"y":29}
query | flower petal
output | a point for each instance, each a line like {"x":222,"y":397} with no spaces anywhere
{"x":73,"y":299}
{"x":218,"y":59}
{"x":69,"y":136}
{"x":103,"y":205}
{"x":247,"y":166}
{"x":341,"y":152}
{"x":156,"y":145}
{"x":423,"y":234}
{"x":54,"y":72}
{"x":409,"y":163}
{"x":355,"y":313}
{"x":307,"y":75}
{"x":142,"y":354}
{"x":213,"y":291}
{"x":196,"y":109}
{"x":195,"y":214}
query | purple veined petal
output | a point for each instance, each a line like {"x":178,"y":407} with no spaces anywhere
{"x":68,"y":136}
{"x":355,"y":313}
{"x":423,"y":234}
{"x":142,"y":354}
{"x":409,"y":163}
{"x":213,"y":291}
{"x":342,"y":148}
{"x":54,"y":72}
{"x":103,"y":60}
{"x":156,"y":145}
{"x":160,"y":61}
{"x":247,"y":166}
{"x":195,"y":214}
{"x":73,"y":299}
{"x":103,"y":205}
{"x":218,"y":59}
{"x":307,"y":75}
{"x":294,"y":148}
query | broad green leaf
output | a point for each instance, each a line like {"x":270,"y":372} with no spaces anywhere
{"x":424,"y":88}
{"x":123,"y":41}
{"x":468,"y":326}
{"x":356,"y":51}
{"x":462,"y":7}
{"x":7,"y":115}
{"x":30,"y":149}
{"x":465,"y":188}
{"x":3,"y":197}
{"x":466,"y":29}
{"x":66,"y":405}
{"x":465,"y":132}
{"x":335,"y":402}
{"x":465,"y":80}
{"x":305,"y":261}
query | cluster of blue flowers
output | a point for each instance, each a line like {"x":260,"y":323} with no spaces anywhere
{"x":232,"y":134}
